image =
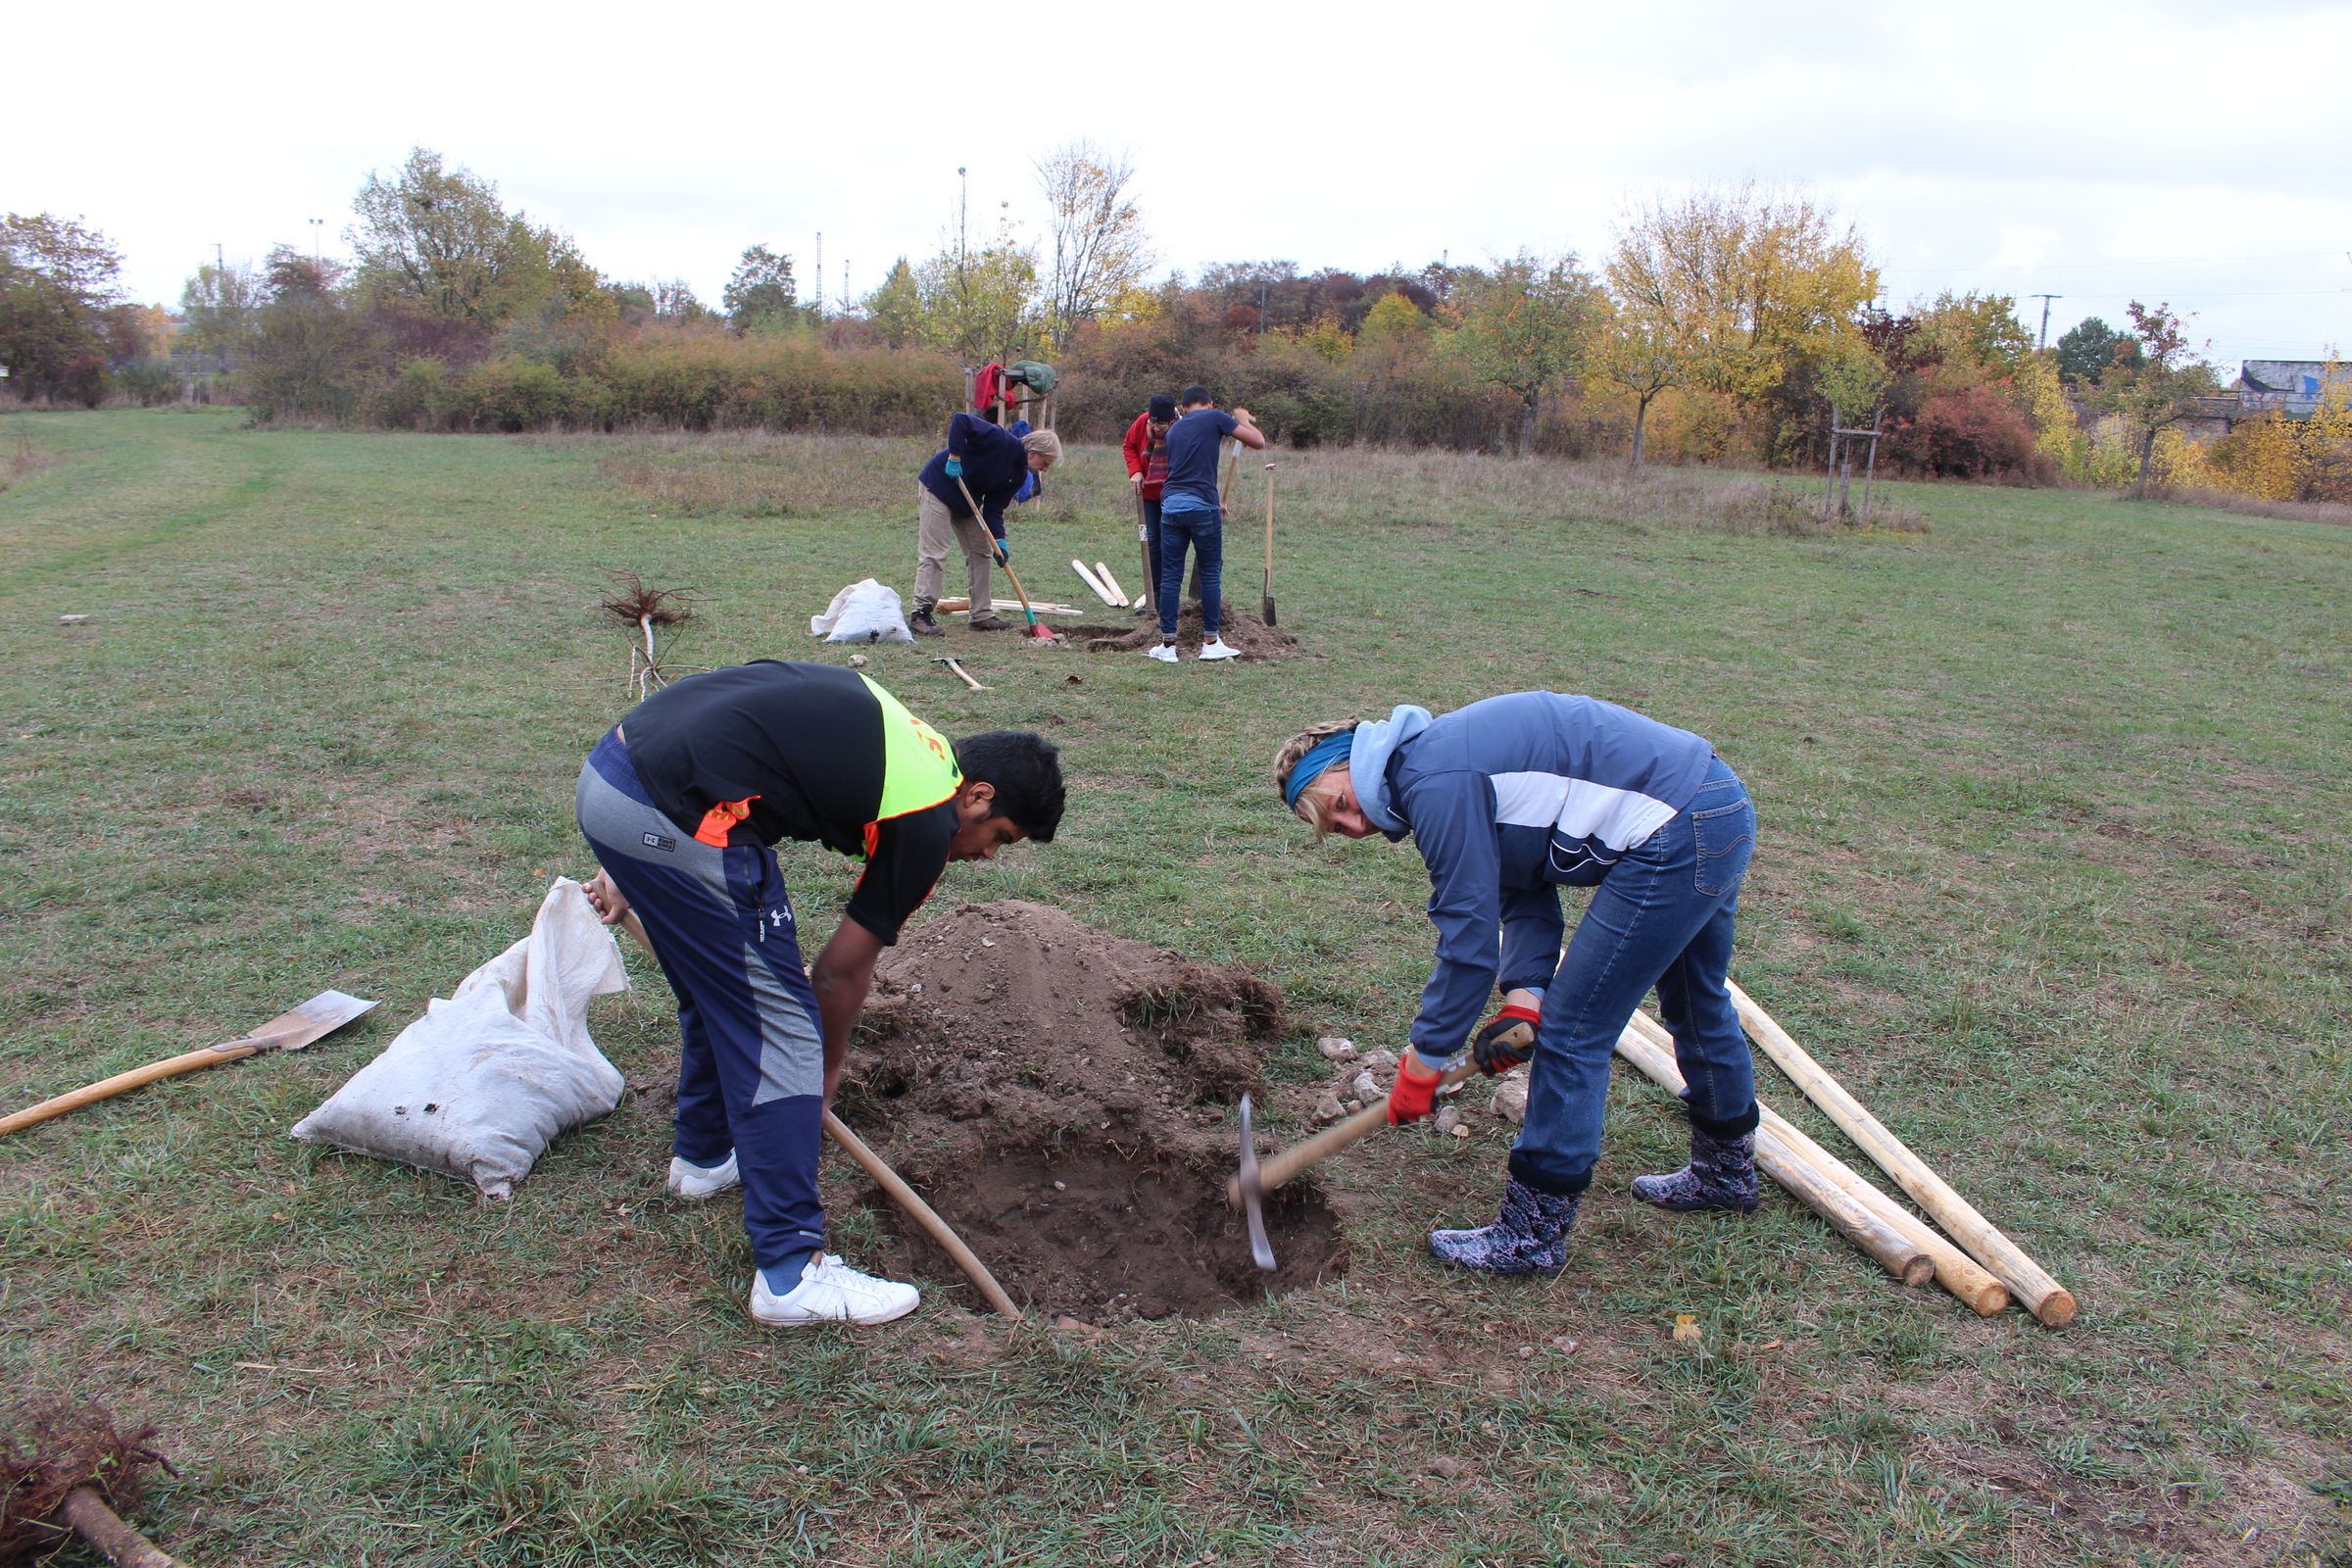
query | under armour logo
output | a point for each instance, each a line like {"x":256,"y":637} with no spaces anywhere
{"x":656,"y":840}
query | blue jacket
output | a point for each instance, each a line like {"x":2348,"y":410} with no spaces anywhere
{"x":995,"y":467}
{"x":1509,"y":799}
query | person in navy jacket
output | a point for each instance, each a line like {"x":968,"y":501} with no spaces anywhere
{"x":1509,"y":799}
{"x":989,"y":465}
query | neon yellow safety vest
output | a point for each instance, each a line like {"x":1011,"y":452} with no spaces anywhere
{"x":918,"y":767}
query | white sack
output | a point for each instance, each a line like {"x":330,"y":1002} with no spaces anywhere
{"x":478,"y":1087}
{"x":864,"y":611}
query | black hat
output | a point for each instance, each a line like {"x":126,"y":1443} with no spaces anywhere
{"x":1164,"y":409}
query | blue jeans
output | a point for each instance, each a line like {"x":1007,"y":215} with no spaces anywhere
{"x":1204,"y":528}
{"x":1661,"y":916}
{"x":751,"y":1070}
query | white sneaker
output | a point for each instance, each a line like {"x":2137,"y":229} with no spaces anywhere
{"x":701,"y":1181}
{"x":1218,"y":648}
{"x":832,"y":1292}
{"x":1165,"y":653}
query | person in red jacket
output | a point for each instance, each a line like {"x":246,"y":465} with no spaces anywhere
{"x":1147,"y":449}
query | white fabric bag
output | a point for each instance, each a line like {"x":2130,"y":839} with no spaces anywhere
{"x":866,"y":611}
{"x":481,"y":1084}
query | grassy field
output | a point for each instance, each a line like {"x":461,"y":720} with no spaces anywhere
{"x":2052,"y":872}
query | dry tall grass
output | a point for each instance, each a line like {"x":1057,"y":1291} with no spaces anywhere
{"x":765,"y":474}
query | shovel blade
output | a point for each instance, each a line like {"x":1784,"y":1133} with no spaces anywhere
{"x":301,"y":1024}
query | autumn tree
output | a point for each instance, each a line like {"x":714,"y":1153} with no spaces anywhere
{"x":896,"y":306}
{"x":1725,"y":285}
{"x":761,"y":295}
{"x":2091,"y":349}
{"x":58,"y":286}
{"x":1094,"y":234}
{"x":982,"y":305}
{"x":218,"y":305}
{"x":2163,"y":389}
{"x":1525,"y":327}
{"x":437,"y":241}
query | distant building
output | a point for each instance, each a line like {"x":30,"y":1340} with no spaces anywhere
{"x":2289,"y":388}
{"x":2292,"y":387}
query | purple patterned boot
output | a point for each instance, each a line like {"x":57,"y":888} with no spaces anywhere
{"x":1529,"y":1234}
{"x":1722,"y":1174}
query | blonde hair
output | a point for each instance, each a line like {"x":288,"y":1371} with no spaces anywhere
{"x":1314,"y":805}
{"x":1044,"y":443}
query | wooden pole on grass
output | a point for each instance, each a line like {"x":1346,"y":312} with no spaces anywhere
{"x":1955,"y":1270}
{"x":2047,"y":1300}
{"x":1885,"y":1245}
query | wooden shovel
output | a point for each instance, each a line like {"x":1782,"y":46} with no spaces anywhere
{"x":316,"y":1018}
{"x":1265,"y":604}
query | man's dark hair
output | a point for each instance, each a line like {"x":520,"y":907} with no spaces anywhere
{"x":1194,"y":395}
{"x":1162,"y":409}
{"x":1026,"y":770}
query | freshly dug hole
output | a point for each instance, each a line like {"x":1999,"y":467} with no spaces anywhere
{"x":1007,"y":1047}
{"x":1253,"y":637}
{"x":1119,"y":1238}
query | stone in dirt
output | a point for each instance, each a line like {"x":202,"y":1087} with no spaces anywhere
{"x":1448,"y":1118}
{"x":1060,"y":1095}
{"x":1365,"y":1088}
{"x":1380,"y":1060}
{"x":1446,"y":1467}
{"x":1329,"y":1109}
{"x":1336,"y":1047}
{"x":1510,"y":1099}
{"x":1253,"y":637}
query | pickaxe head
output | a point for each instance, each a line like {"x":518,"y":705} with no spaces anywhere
{"x":1253,"y":1196}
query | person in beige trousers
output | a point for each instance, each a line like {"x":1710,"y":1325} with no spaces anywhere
{"x":987,"y":466}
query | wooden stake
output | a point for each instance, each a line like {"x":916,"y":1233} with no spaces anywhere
{"x":1091,"y":581}
{"x":1118,"y":595}
{"x":1886,"y":1246}
{"x":2049,"y":1300}
{"x":1955,"y":1270}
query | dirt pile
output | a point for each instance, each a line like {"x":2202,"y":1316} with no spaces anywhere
{"x":1064,"y":1097}
{"x":1253,"y":637}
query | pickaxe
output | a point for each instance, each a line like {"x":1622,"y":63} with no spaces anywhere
{"x":961,"y":673}
{"x":1247,"y":1190}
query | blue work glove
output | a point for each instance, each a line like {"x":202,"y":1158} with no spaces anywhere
{"x":1004,"y":548}
{"x":954,"y":467}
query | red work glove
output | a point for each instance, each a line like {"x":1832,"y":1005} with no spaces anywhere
{"x":1506,"y":1040}
{"x":1414,"y":1092}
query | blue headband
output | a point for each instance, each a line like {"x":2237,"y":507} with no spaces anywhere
{"x":1310,"y":768}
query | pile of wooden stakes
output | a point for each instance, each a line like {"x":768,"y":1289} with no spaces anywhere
{"x":1986,"y":1275}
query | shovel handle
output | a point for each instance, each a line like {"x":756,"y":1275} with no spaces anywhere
{"x":1284,"y":1164}
{"x":924,"y":1215}
{"x":123,"y":1082}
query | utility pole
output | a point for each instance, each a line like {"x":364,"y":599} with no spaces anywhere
{"x":2045,"y":316}
{"x":820,"y":275}
{"x":318,"y":224}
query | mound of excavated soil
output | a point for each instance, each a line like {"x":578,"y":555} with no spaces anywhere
{"x":1252,"y":636}
{"x":1060,"y":1095}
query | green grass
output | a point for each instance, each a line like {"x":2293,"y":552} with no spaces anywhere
{"x":2052,"y":874}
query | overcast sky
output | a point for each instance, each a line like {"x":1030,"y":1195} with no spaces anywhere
{"x":2189,"y":153}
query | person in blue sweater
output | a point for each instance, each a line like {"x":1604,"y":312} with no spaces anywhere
{"x":1509,"y":799}
{"x":1192,"y":514}
{"x":992,"y":466}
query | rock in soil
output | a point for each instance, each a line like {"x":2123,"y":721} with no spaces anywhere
{"x":1510,"y":1099}
{"x":1336,"y":1047}
{"x":1056,"y":1093}
{"x":1329,"y":1109}
{"x":1365,"y":1088}
{"x":1448,"y":1117}
{"x":1381,"y":1061}
{"x":1446,"y":1467}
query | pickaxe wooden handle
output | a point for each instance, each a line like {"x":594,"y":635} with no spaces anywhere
{"x":1280,"y":1167}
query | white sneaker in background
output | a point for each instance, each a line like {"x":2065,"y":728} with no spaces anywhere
{"x":701,"y":1181}
{"x":1165,"y":653}
{"x":832,"y":1292}
{"x":1218,"y":648}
